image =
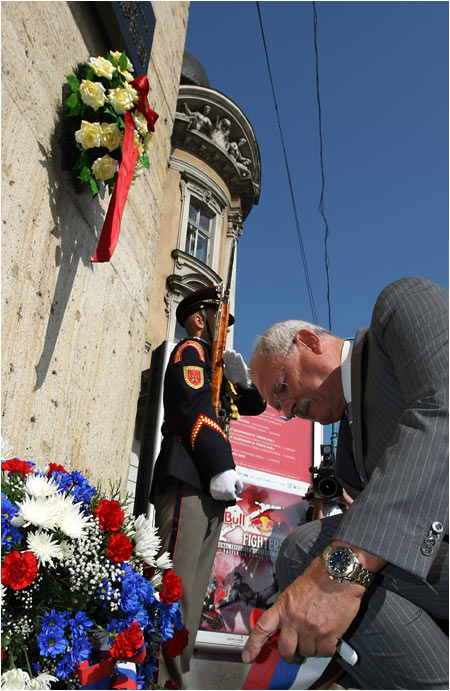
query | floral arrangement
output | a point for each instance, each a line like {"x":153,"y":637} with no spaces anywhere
{"x":103,"y":91}
{"x":83,"y":595}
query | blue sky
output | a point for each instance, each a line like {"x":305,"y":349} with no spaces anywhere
{"x":383,"y":69}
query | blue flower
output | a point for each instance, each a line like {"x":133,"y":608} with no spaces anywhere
{"x":64,"y":480}
{"x":10,"y":534}
{"x":54,"y":620}
{"x":81,"y":490}
{"x":52,"y":642}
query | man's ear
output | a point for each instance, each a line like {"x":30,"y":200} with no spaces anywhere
{"x":308,"y":339}
{"x":198,"y":320}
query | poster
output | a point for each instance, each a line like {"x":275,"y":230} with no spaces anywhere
{"x":273,"y":459}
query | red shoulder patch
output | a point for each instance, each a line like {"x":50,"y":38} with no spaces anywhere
{"x":190,"y":344}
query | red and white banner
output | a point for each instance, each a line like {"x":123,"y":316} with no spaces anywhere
{"x":273,"y":458}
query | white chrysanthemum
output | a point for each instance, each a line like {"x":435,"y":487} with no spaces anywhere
{"x":39,"y":511}
{"x":7,"y":450}
{"x":164,"y":562}
{"x":67,"y":551}
{"x":40,"y":486}
{"x":71,"y":519}
{"x":146,"y":540}
{"x":15,"y":679}
{"x":43,"y":547}
{"x":42,"y":681}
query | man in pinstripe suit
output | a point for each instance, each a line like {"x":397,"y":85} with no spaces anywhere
{"x":378,"y":574}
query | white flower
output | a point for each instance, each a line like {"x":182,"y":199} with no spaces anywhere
{"x":15,"y":679}
{"x":123,"y":98}
{"x":42,"y":681}
{"x":43,"y":547}
{"x":140,"y":121}
{"x":164,"y":562}
{"x":102,"y":67}
{"x":146,"y":540}
{"x":40,"y":486}
{"x":92,"y":93}
{"x":71,"y":519}
{"x":38,"y":511}
{"x":66,"y":550}
{"x":116,"y":55}
{"x":105,"y":167}
{"x":7,"y":450}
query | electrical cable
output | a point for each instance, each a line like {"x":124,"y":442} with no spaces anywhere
{"x":321,"y":203}
{"x":300,"y":238}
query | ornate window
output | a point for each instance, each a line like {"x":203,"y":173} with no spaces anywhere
{"x":199,"y":231}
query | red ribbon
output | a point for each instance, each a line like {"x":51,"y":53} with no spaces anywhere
{"x":142,"y":86}
{"x":99,"y":674}
{"x":111,"y":227}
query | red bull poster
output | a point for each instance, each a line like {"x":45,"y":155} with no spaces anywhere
{"x":273,"y":459}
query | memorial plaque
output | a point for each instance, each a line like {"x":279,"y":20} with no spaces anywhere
{"x":130,"y":27}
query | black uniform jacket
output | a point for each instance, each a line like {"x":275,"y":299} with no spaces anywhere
{"x":195,"y":446}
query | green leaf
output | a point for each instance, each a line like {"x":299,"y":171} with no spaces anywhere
{"x":72,"y":101}
{"x":144,"y":159}
{"x":90,"y":74}
{"x":85,"y":174}
{"x":73,"y":82}
{"x":94,"y":187}
{"x":123,"y":61}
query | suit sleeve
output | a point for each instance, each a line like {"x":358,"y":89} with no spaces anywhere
{"x":188,"y":379}
{"x":407,"y":493}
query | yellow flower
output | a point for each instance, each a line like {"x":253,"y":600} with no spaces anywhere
{"x":122,"y":99}
{"x":116,"y":55}
{"x":140,"y":121}
{"x":89,"y":136}
{"x":105,"y":168}
{"x":102,"y":67}
{"x":92,"y":93}
{"x":111,"y":136}
{"x":147,"y":139}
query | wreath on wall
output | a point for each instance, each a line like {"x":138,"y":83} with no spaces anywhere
{"x":108,"y":126}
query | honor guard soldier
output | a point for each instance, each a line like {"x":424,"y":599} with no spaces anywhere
{"x":195,"y":476}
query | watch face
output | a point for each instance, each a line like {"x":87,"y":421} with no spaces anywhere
{"x":340,"y":562}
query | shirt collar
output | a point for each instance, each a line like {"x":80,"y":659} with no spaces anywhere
{"x":346,"y":370}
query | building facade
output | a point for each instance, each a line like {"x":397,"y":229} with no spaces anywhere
{"x":73,"y":332}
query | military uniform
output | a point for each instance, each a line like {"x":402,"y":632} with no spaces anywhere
{"x":194,"y":449}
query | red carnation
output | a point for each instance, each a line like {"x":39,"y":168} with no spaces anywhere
{"x":173,"y":588}
{"x":119,"y":548}
{"x":171,"y":685}
{"x":15,"y":465}
{"x":128,"y":643}
{"x":56,"y":468}
{"x":177,"y":644}
{"x":19,"y":569}
{"x":110,"y":515}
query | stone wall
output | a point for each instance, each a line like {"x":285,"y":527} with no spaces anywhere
{"x":73,"y":332}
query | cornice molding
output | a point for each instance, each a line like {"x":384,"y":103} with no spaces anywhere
{"x":213,"y":128}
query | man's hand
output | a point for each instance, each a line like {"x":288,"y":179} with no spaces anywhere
{"x":311,"y":615}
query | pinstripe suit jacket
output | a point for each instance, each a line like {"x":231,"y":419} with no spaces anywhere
{"x":394,"y":461}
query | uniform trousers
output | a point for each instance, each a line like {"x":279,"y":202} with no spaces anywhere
{"x":398,"y":642}
{"x":189,"y":523}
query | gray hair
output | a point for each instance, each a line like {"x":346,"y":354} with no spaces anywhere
{"x":278,"y":338}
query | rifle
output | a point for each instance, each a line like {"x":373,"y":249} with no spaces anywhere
{"x":220,"y":334}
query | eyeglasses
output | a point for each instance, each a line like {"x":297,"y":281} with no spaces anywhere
{"x":281,"y":387}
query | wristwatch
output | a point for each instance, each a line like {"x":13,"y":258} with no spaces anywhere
{"x":341,"y":563}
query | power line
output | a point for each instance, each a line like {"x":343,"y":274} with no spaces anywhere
{"x":300,"y":238}
{"x":321,"y":203}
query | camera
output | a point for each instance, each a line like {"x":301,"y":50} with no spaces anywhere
{"x":325,"y":484}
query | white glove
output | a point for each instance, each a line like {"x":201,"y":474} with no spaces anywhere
{"x":225,"y":486}
{"x":235,"y":368}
